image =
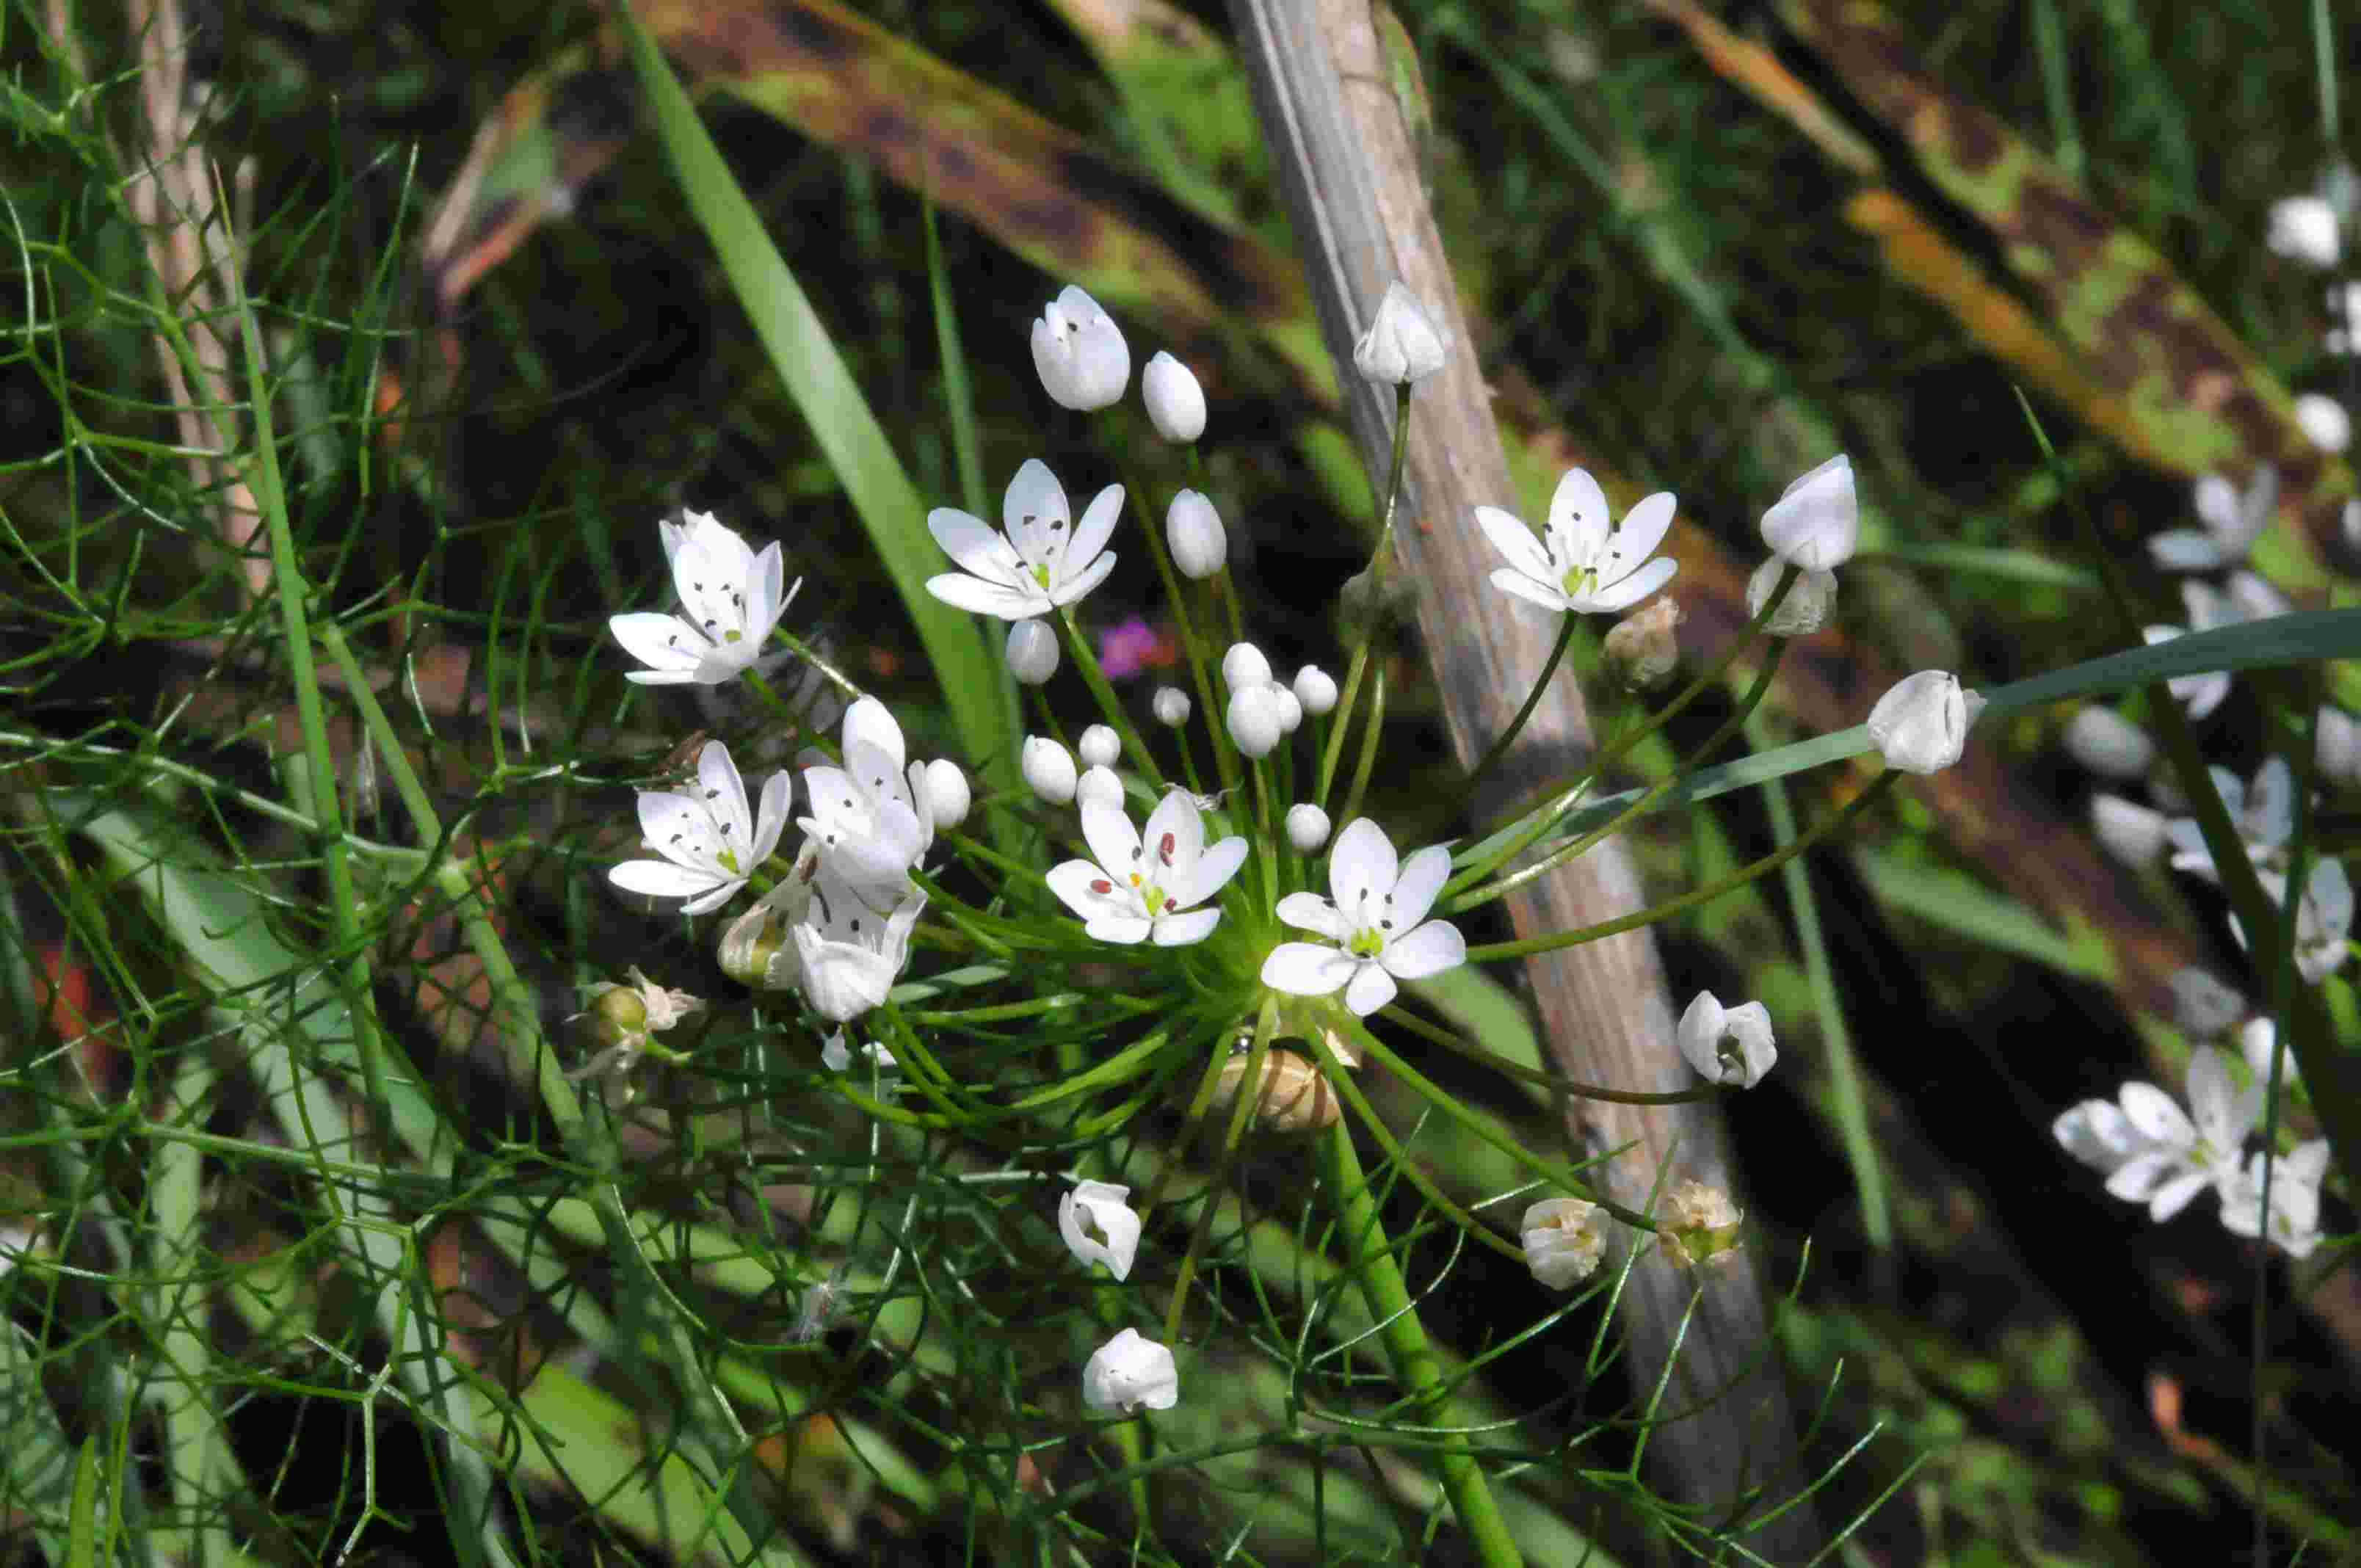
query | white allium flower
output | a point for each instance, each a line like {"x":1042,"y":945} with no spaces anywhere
{"x":1921,"y":725}
{"x":2183,"y":1154}
{"x":1563,"y":1241}
{"x":2202,"y":1005}
{"x":1403,"y":344}
{"x":1584,"y":564}
{"x":2336,"y":746}
{"x":1172,"y":707}
{"x":1728,"y":1044}
{"x":2263,"y":817}
{"x":837,"y":1056}
{"x":730,"y":599}
{"x":1253,"y":720}
{"x":1816,"y":521}
{"x":1041,"y":561}
{"x":2303,"y":228}
{"x":1048,"y":767}
{"x":1805,"y":609}
{"x":1316,"y":690}
{"x":1307,"y":827}
{"x":2324,"y":422}
{"x":850,"y":953}
{"x":2323,"y":922}
{"x":2133,"y":834}
{"x":2296,"y":1177}
{"x":2100,"y":1134}
{"x":1099,"y":746}
{"x":1078,"y":352}
{"x":2208,"y":608}
{"x":2107,"y":743}
{"x":1032,"y":652}
{"x":2232,"y":521}
{"x":1375,"y":919}
{"x":2259,"y":1042}
{"x":1100,"y":787}
{"x":874,"y":817}
{"x":1193,"y":531}
{"x":1176,"y":403}
{"x":1099,"y":1226}
{"x":1244,"y":665}
{"x":709,"y":840}
{"x":946,"y":795}
{"x":1129,"y":1373}
{"x":1291,"y":709}
{"x":1149,"y":890}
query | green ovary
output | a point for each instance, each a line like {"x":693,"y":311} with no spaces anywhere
{"x":1366,"y":944}
{"x":1580,"y":581}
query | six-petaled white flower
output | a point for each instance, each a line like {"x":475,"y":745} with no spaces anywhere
{"x":2294,"y":1219}
{"x":850,"y":953}
{"x":874,"y":819}
{"x":1099,"y":1226}
{"x":2181,"y":1154}
{"x":1584,"y":564}
{"x":2233,"y":521}
{"x":1130,"y":1373}
{"x":731,"y":598}
{"x":2263,"y":817}
{"x":2323,"y":919}
{"x":709,"y":840}
{"x":1040,"y":561}
{"x":1378,"y":921}
{"x":1078,"y":352}
{"x":1148,"y":890}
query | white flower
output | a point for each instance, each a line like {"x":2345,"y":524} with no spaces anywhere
{"x":2180,"y":1157}
{"x":2323,"y":922}
{"x":1032,"y":652}
{"x":2108,"y":744}
{"x":2295,"y":1197}
{"x":1921,"y":725}
{"x":1316,"y":690}
{"x":1253,"y":720}
{"x":874,"y":817}
{"x":1193,"y":531}
{"x":2133,"y":834}
{"x":1402,"y":345}
{"x":1244,"y":665}
{"x":850,"y":954}
{"x":2202,"y":1005}
{"x":1078,"y":352}
{"x":1563,"y":1241}
{"x":2303,"y":228}
{"x":1699,"y":1224}
{"x":1100,"y":787}
{"x":2324,"y":422}
{"x":2336,"y":746}
{"x":1130,"y":1373}
{"x":1584,"y":563}
{"x":1042,"y":560}
{"x":1171,"y":706}
{"x":1728,"y":1044}
{"x":1099,"y":1226}
{"x":835,"y":1055}
{"x":730,"y":598}
{"x":2232,"y":521}
{"x":1816,"y":521}
{"x":2100,"y":1134}
{"x":710,"y":842}
{"x":1307,"y":827}
{"x":1100,"y":746}
{"x":1048,"y":767}
{"x":1176,"y":405}
{"x":1138,"y":891}
{"x":2263,"y":817}
{"x":1805,"y":609}
{"x":946,"y":795}
{"x":1375,"y":920}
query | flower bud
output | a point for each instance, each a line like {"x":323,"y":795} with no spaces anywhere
{"x":1699,"y":1223}
{"x":1193,"y":529}
{"x":1805,"y":609}
{"x":2303,"y":228}
{"x":1921,"y":725}
{"x":1098,"y":787}
{"x":1294,"y":1098}
{"x":1307,"y":827}
{"x":1402,"y":345}
{"x":1643,"y":647}
{"x":1316,"y":690}
{"x":1048,"y":767}
{"x":2324,"y":421}
{"x":2133,"y":833}
{"x":947,"y":795}
{"x":1176,"y":405}
{"x":1172,"y":705}
{"x":1032,"y":652}
{"x":1099,"y":746}
{"x":1253,"y":719}
{"x":1078,"y":352}
{"x":2107,"y":743}
{"x":1563,"y":1241}
{"x":1291,"y":711}
{"x":1816,"y":521}
{"x":1244,"y":666}
{"x":1128,"y":1374}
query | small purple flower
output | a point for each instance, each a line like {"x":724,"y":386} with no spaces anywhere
{"x":1130,"y":648}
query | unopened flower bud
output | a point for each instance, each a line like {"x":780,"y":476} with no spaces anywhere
{"x":1921,"y":725}
{"x":2133,"y":833}
{"x":2107,"y":743}
{"x":1244,"y":666}
{"x":2303,"y":228}
{"x":1805,"y":609}
{"x":947,"y":795}
{"x":1316,"y":690}
{"x":1048,"y":767}
{"x":1032,"y":652}
{"x":1402,"y":345}
{"x":1171,"y":706}
{"x":1099,"y":746}
{"x":1193,"y":530}
{"x":1307,"y":827}
{"x":1563,"y":1241}
{"x":1253,"y":719}
{"x":2324,"y":421}
{"x":1291,"y":709}
{"x":1078,"y":352}
{"x":1643,"y":648}
{"x":1816,"y":522}
{"x":1699,"y":1223}
{"x":1176,"y":405}
{"x":1098,"y":786}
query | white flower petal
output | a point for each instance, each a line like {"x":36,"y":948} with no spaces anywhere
{"x":1371,"y":989}
{"x":1430,"y":949}
{"x":1302,"y":968}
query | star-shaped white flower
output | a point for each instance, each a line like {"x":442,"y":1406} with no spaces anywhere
{"x":1143,"y":890}
{"x":1585,"y":564}
{"x":874,"y":817}
{"x":2323,"y":921}
{"x":2263,"y":815}
{"x":2184,"y":1152}
{"x":1375,"y":920}
{"x":2232,"y":521}
{"x":1042,"y":559}
{"x":730,"y":599}
{"x":710,"y":842}
{"x":2294,"y":1221}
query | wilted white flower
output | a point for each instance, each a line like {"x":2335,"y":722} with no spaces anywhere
{"x":1307,"y":827}
{"x":1921,"y":725}
{"x":2324,"y":422}
{"x":1643,"y":649}
{"x":1805,"y":609}
{"x":627,"y":1017}
{"x":1048,"y":767}
{"x":1100,"y":787}
{"x":837,"y":1056}
{"x":1563,"y":1241}
{"x":1149,"y":890}
{"x":874,"y":817}
{"x":2296,"y":1176}
{"x":1728,"y":1044}
{"x":1816,"y":521}
{"x":2303,"y":228}
{"x":1253,"y":720}
{"x":1375,"y":919}
{"x":731,"y":598}
{"x":1171,"y":706}
{"x":2108,"y":744}
{"x":2180,"y":1157}
{"x":1585,"y":562}
{"x":1099,"y":1226}
{"x":1100,"y":746}
{"x":709,"y":840}
{"x":1193,"y":530}
{"x":2202,"y":1005}
{"x":1244,"y":665}
{"x":1176,"y":403}
{"x":1032,"y":652}
{"x":1699,"y":1223}
{"x":1403,"y":344}
{"x":1316,"y":690}
{"x":2133,"y":834}
{"x":945,"y":794}
{"x":1129,"y":1373}
{"x":2232,"y":521}
{"x":1042,"y":559}
{"x":1078,"y":352}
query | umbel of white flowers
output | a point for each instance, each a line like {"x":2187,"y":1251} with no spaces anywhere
{"x":730,"y":599}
